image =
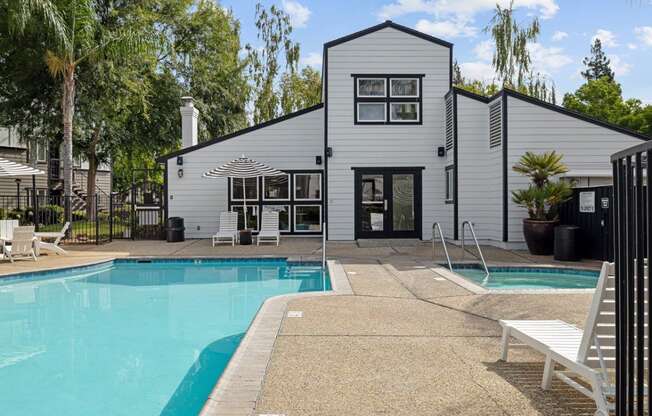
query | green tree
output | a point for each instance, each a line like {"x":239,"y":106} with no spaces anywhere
{"x":600,"y":98}
{"x":274,"y":30}
{"x":300,"y":90}
{"x":597,"y":65}
{"x":511,"y":58}
{"x":79,"y":38}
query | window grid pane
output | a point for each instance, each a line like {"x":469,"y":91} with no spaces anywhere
{"x":307,"y":218}
{"x":371,"y":87}
{"x":307,"y":186}
{"x":408,"y":87}
{"x":404,"y":112}
{"x":276,"y":187}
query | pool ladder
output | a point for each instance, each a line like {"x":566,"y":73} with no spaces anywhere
{"x":436,"y":229}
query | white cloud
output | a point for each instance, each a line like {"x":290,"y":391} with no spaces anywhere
{"x":644,"y":33}
{"x":632,"y":46}
{"x":559,"y":35}
{"x":299,"y":14}
{"x":447,"y":28}
{"x":547,"y":61}
{"x":480,"y":71}
{"x":314,"y":59}
{"x":619,"y":66}
{"x":484,"y":50}
{"x":607,"y":38}
{"x":467,"y":8}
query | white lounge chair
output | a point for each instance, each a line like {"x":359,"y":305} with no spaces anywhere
{"x":7,"y":229}
{"x":228,"y":228}
{"x":588,"y":354}
{"x":22,"y":244}
{"x":269,"y":228}
{"x":52,"y":246}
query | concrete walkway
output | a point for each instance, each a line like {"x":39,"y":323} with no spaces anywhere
{"x":407,"y":342}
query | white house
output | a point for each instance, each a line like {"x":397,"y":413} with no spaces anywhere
{"x":393,"y":148}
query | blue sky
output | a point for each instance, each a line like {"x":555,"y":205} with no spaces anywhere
{"x":567,"y":30}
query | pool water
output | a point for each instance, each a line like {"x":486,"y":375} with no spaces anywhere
{"x":129,"y":338}
{"x":512,"y":278}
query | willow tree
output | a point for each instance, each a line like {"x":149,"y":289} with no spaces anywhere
{"x":274,"y":30}
{"x":511,"y":58}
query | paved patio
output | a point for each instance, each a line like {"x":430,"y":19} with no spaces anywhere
{"x":407,"y":342}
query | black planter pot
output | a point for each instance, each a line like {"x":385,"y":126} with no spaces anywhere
{"x":245,"y":237}
{"x":539,"y":236}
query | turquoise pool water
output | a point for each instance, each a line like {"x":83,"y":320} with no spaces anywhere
{"x":512,"y":278}
{"x":129,"y":338}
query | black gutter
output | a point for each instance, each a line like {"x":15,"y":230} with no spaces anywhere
{"x":180,"y":152}
{"x":456,"y":214}
{"x":325,"y":100}
{"x":505,"y":171}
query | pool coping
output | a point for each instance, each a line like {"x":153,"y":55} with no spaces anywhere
{"x":479,"y":290}
{"x":240,"y":385}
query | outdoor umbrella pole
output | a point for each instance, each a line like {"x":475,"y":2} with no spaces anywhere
{"x":244,"y":198}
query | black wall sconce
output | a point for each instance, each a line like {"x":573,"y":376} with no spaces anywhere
{"x":329,"y":152}
{"x":318,"y":160}
{"x":180,"y":160}
{"x":441,"y":151}
{"x":180,"y":173}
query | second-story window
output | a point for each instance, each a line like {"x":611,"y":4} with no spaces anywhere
{"x":387,"y":99}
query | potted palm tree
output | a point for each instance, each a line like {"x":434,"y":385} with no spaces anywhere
{"x":542,"y":198}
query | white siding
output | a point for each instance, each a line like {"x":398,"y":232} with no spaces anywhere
{"x":480,"y":185}
{"x":387,"y":51}
{"x":290,"y":144}
{"x":585,"y":146}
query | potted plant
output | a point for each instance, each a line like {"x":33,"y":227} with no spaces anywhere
{"x":542,"y":198}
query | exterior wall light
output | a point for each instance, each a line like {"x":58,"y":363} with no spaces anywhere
{"x":180,"y":173}
{"x":329,"y":152}
{"x":441,"y":151}
{"x":180,"y":160}
{"x":318,"y":160}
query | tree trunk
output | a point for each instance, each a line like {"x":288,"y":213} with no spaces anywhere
{"x":68,"y":110}
{"x":92,"y":174}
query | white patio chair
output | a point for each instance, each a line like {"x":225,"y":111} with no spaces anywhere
{"x":228,"y":228}
{"x":7,"y":229}
{"x":53,"y":246}
{"x":588,"y":354}
{"x":22,"y":244}
{"x":269,"y":228}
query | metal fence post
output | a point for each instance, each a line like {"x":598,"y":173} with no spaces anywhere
{"x":133,"y":213}
{"x":111,"y":217}
{"x":97,"y":222}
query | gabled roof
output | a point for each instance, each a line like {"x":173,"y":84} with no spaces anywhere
{"x":557,"y":108}
{"x":180,"y":152}
{"x":386,"y":24}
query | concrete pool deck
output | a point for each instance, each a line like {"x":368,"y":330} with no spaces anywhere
{"x":405,"y":342}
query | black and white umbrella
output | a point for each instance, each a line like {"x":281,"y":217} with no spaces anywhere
{"x":242,"y":168}
{"x":9,"y":168}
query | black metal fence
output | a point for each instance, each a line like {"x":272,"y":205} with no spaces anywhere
{"x":97,"y":219}
{"x":633,"y":247}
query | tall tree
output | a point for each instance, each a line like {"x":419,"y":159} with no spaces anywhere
{"x":597,"y":65}
{"x":300,"y":90}
{"x":511,"y":58}
{"x":274,"y":30}
{"x":601,"y":98}
{"x":81,"y":39}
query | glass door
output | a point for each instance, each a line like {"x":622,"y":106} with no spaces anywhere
{"x":388,"y":203}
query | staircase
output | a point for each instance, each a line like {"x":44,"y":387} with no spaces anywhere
{"x":78,"y":197}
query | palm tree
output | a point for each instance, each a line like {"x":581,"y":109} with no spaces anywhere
{"x":74,"y":36}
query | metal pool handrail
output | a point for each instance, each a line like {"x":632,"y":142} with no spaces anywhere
{"x":477,"y":245}
{"x":437,"y":227}
{"x":323,"y":245}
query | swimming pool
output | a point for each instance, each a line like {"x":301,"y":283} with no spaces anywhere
{"x":131,"y":338}
{"x":525,"y":278}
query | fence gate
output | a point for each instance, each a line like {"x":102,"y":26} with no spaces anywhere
{"x":591,"y":210}
{"x":139,"y":214}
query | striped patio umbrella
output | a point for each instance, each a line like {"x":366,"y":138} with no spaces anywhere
{"x":9,"y":168}
{"x":242,"y":168}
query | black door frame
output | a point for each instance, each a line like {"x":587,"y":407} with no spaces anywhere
{"x":387,"y":185}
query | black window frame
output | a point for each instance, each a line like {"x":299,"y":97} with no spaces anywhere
{"x":291,"y":203}
{"x":388,"y":100}
{"x":449,"y":186}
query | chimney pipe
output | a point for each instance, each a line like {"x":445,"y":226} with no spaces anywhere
{"x":189,"y":116}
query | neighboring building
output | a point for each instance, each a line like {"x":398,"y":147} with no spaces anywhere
{"x":392,"y":149}
{"x":47,"y":158}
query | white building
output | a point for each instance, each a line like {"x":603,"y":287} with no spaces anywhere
{"x":392,"y":149}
